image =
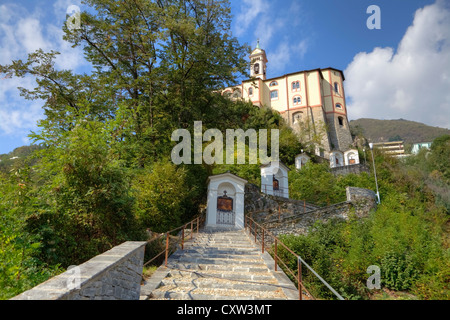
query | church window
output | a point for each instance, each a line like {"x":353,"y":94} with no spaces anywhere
{"x":250,"y":91}
{"x":341,"y":121}
{"x":274,"y":95}
{"x":297,"y":101}
{"x":336,"y":88}
{"x":338,"y":106}
{"x":256,"y":68}
{"x":296,"y":86}
{"x":273,"y":84}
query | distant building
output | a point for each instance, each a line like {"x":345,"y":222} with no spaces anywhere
{"x":13,"y":158}
{"x":311,"y":101}
{"x":418,"y":146}
{"x":395,"y":148}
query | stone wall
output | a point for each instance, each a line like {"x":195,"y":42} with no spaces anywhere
{"x":114,"y":275}
{"x":262,"y":205}
{"x":355,"y":169}
{"x":296,"y":219}
{"x":299,"y":224}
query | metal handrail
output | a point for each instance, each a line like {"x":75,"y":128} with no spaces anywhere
{"x":249,"y":222}
{"x":197,"y":222}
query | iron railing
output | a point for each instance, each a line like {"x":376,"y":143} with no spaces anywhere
{"x":253,"y":229}
{"x":278,"y":192}
{"x":179,"y":239}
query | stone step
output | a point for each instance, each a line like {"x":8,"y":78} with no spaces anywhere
{"x":199,"y":295}
{"x":230,"y":268}
{"x":218,"y":265}
{"x":216,"y":261}
{"x":230,"y":245}
{"x":205,"y":283}
{"x":181,"y":254}
{"x":219,"y":274}
{"x":212,"y":250}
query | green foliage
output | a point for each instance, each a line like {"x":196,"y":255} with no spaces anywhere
{"x":161,"y":195}
{"x":20,"y":269}
{"x":404,"y":237}
{"x":90,"y":207}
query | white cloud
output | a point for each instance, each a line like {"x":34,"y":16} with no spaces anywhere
{"x":411,"y":83}
{"x":275,"y":28}
{"x":23,"y":32}
{"x":250,"y":10}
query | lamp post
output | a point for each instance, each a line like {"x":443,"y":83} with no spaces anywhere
{"x":365,"y":160}
{"x":375,"y":171}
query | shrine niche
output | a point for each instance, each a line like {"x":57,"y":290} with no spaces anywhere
{"x":351,"y":157}
{"x":301,"y":160}
{"x":276,"y":184}
{"x":225,"y":201}
{"x":225,"y":210}
{"x":336,"y":159}
{"x":274,"y":179}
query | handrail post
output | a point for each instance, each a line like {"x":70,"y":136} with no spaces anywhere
{"x":167,"y":248}
{"x":276,"y":254}
{"x":198,"y":223}
{"x":299,"y":279}
{"x":182,"y":238}
{"x":279,"y":213}
{"x":192,"y":228}
{"x":263,"y":240}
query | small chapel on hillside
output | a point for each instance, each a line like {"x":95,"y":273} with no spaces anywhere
{"x":311,"y":101}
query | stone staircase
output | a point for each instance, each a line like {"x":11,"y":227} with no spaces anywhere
{"x":219,"y":264}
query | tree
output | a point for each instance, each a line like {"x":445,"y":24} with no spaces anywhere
{"x":161,"y":194}
{"x":157,"y":66}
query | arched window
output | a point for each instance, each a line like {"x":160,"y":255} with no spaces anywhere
{"x":297,"y":100}
{"x":274,"y":95}
{"x":297,"y":117}
{"x":341,"y":121}
{"x":273,"y":84}
{"x":237,"y":93}
{"x":256,"y":68}
{"x":338,"y":106}
{"x":296,"y":86}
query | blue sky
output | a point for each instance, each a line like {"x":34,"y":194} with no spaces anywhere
{"x":399,"y":71}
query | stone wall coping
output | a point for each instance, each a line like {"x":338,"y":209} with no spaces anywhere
{"x":57,"y":288}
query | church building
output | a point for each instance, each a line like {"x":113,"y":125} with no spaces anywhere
{"x":311,"y":101}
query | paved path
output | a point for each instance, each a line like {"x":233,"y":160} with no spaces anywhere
{"x":219,"y":264}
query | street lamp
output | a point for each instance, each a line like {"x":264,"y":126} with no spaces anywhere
{"x":375,"y":171}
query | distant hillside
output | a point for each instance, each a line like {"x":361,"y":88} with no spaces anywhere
{"x":391,"y":130}
{"x":18,"y":154}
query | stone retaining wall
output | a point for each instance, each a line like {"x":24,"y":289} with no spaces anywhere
{"x":295,"y":220}
{"x":355,"y":169}
{"x":114,"y":275}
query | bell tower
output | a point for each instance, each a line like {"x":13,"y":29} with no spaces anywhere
{"x":258,"y":63}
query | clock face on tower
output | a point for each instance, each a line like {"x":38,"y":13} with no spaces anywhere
{"x":256,"y":68}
